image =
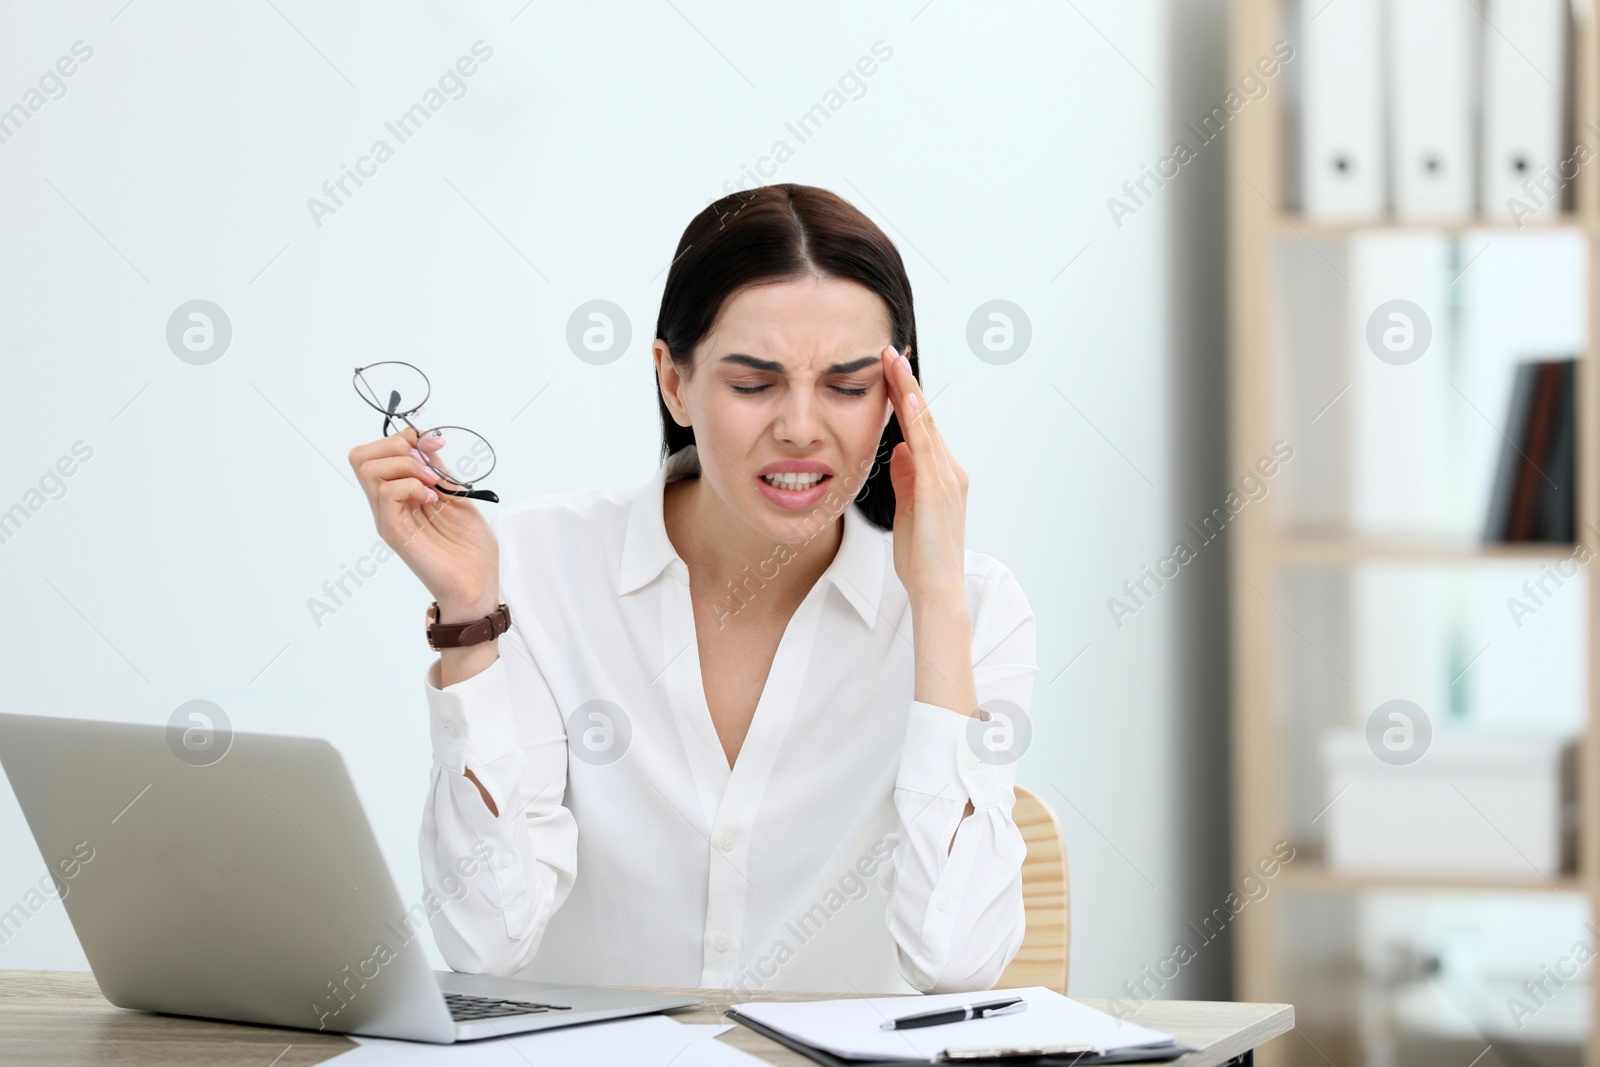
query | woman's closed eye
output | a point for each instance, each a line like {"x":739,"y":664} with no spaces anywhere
{"x":843,"y":390}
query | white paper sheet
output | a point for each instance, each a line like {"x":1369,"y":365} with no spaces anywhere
{"x":648,"y":1040}
{"x":850,"y":1028}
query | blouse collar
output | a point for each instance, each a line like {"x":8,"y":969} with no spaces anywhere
{"x":857,"y":571}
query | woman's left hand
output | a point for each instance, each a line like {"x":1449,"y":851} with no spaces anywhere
{"x":930,"y":492}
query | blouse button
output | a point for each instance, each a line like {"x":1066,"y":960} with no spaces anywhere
{"x":942,"y":903}
{"x":721,"y":942}
{"x":726,"y":841}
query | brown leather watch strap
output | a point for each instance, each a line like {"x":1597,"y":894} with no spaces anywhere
{"x":459,"y":635}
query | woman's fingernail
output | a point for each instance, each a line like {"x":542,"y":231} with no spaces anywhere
{"x":916,"y":405}
{"x":432,"y":496}
{"x":417,"y":456}
{"x":893,"y":352}
{"x":435,"y":440}
{"x":906,"y":361}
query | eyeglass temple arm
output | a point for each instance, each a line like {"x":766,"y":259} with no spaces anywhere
{"x":470,"y":494}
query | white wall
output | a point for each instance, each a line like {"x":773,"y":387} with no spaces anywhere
{"x":180,"y":560}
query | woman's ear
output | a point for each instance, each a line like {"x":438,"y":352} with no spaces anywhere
{"x":670,"y":382}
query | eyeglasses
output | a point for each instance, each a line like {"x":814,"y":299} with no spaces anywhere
{"x":398,"y":391}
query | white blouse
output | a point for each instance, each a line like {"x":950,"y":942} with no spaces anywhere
{"x":627,"y":852}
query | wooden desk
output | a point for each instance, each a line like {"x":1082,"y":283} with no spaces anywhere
{"x":59,"y":1018}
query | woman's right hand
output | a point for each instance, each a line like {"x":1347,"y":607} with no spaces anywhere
{"x":445,"y":541}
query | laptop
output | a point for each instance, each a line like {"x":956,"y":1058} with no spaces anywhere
{"x":236,"y":877}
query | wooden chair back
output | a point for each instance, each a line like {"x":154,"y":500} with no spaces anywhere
{"x":1046,"y":897}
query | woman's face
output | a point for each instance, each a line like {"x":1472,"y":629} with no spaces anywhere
{"x":787,"y":388}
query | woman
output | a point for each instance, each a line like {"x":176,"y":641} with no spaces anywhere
{"x":687,"y":761}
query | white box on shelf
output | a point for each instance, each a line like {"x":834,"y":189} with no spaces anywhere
{"x":1486,"y":806}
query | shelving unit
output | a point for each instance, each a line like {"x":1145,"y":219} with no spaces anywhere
{"x":1308,"y":874}
{"x":1291,"y":226}
{"x":1262,"y":547}
{"x":1341,"y":551}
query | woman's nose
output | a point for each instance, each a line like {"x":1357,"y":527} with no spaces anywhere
{"x":798,"y":422}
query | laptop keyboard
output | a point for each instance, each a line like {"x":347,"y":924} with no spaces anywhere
{"x":464,"y":1009}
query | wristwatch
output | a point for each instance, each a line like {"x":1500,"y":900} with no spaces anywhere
{"x":460,"y":635}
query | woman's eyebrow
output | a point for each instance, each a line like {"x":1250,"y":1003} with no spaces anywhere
{"x":776,"y":367}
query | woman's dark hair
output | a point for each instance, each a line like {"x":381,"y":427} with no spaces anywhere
{"x":774,"y":233}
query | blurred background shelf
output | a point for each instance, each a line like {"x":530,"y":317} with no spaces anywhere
{"x":1333,"y":551}
{"x":1293,"y":225}
{"x":1308,"y":873}
{"x":1329,"y":607}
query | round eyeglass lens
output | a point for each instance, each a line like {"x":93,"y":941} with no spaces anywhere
{"x":392,"y":388}
{"x":464,"y":458}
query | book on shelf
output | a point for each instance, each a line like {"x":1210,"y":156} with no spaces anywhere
{"x":1535,"y":487}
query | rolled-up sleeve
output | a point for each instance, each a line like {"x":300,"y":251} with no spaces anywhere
{"x":499,"y":878}
{"x":956,"y":912}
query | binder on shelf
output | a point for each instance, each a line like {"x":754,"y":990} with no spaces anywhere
{"x":1535,"y":489}
{"x":1528,"y":490}
{"x":1524,"y":297}
{"x":1524,"y":80}
{"x":1399,"y":415}
{"x":1431,"y":54}
{"x":1505,"y":475}
{"x":1342,"y":141}
{"x":1558,"y":505}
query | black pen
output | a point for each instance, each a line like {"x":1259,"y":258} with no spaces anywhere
{"x":955,"y":1015}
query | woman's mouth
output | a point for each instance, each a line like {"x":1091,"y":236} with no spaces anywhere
{"x":794,"y":490}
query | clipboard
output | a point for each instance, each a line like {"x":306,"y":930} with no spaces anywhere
{"x":1146,"y":1054}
